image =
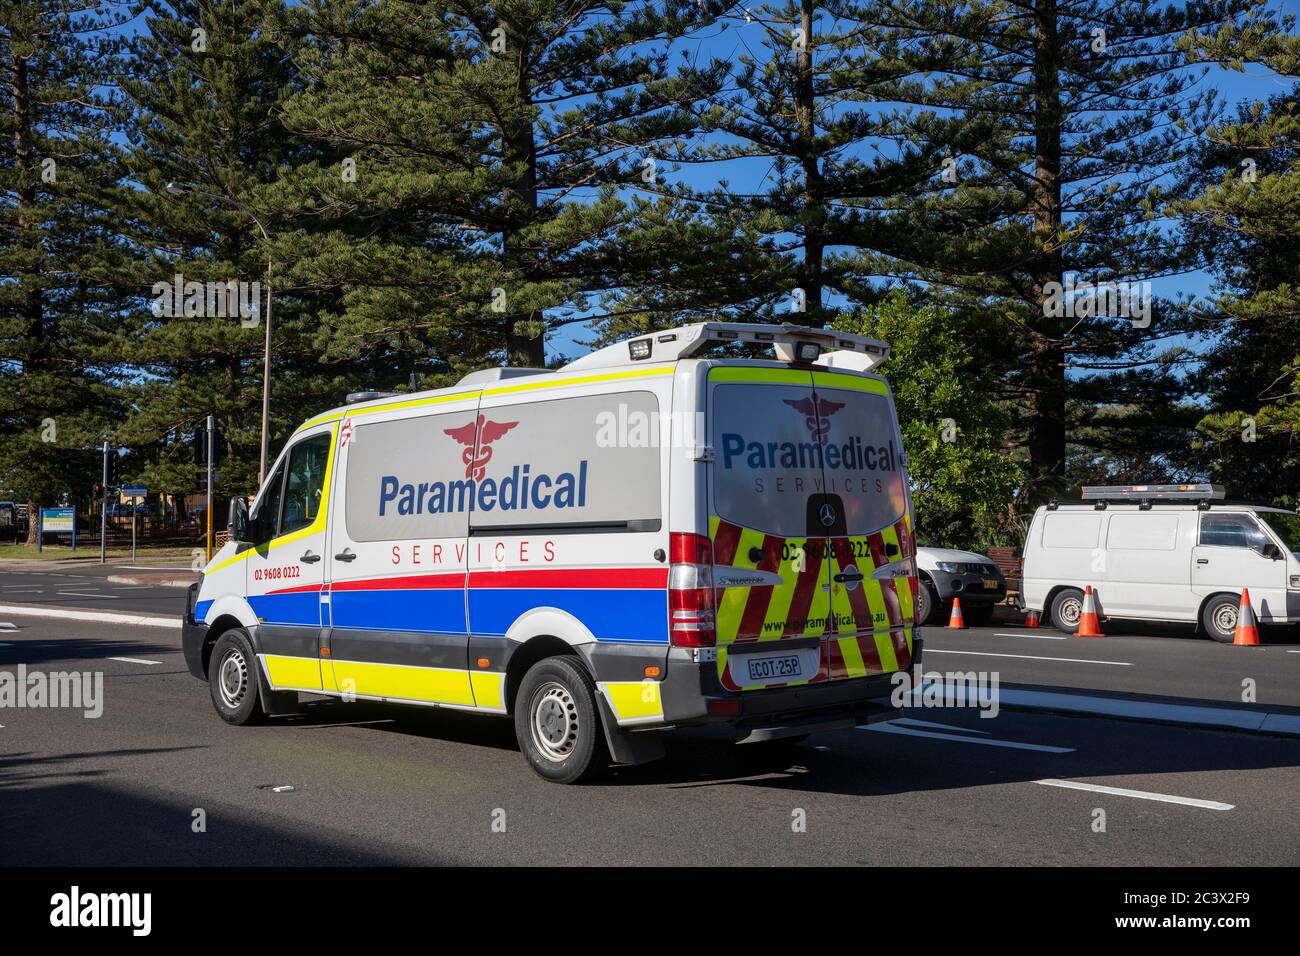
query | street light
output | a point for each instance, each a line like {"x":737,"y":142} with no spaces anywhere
{"x":181,"y":189}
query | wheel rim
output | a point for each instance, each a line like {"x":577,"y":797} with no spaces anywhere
{"x":922,"y":604}
{"x":1225,"y":618}
{"x":554,"y":721}
{"x":232,"y":678}
{"x":1070,"y":610}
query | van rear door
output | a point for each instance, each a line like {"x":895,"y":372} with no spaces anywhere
{"x":803,"y":512}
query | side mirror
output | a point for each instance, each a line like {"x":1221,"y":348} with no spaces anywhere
{"x":1271,"y":551}
{"x":238,"y":523}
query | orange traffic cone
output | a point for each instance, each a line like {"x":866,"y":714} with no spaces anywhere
{"x":1031,"y":618}
{"x":1247,"y":632}
{"x":954,"y":619}
{"x":1088,"y":626}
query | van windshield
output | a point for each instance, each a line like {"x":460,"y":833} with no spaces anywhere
{"x":1285,"y":526}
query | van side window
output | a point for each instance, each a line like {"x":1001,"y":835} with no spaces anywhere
{"x":305,"y":482}
{"x":265,"y":517}
{"x":1230,"y":531}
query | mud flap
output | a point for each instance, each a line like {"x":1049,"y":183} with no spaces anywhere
{"x":276,"y":703}
{"x":625,"y":747}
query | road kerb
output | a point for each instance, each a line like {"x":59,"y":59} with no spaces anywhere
{"x":96,"y":617}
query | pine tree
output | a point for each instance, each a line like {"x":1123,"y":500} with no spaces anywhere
{"x":476,"y":152}
{"x":59,"y":304}
{"x":1096,"y":107}
{"x":1246,"y":220}
{"x":205,"y":87}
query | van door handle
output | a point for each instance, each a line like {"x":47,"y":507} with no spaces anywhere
{"x":309,"y":558}
{"x":845,"y":576}
{"x":345,"y":555}
{"x":1202,"y":560}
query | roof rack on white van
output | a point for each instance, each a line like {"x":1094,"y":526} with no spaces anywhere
{"x":1145,"y":495}
{"x":793,"y":343}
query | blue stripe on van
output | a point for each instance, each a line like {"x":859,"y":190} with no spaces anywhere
{"x":634,"y":615}
{"x":295,"y":608}
{"x":429,"y":611}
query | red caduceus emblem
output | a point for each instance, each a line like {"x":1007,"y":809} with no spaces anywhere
{"x":345,"y":434}
{"x":487,"y":432}
{"x":817,"y":417}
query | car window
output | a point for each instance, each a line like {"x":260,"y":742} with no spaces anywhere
{"x":1230,"y":531}
{"x":305,"y":482}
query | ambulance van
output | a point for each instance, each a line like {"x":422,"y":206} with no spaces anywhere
{"x":658,"y":534}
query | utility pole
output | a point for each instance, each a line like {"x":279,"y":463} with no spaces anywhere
{"x":103,"y":511}
{"x":209,"y":439}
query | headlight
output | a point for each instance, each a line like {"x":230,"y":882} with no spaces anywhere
{"x":951,"y":567}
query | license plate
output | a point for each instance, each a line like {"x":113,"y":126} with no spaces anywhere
{"x":991,"y":583}
{"x":773,"y":668}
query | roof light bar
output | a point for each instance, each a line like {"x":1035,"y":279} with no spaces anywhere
{"x":1200,"y":492}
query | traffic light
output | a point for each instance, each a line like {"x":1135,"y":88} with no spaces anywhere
{"x":201,"y":447}
{"x":113,"y":457}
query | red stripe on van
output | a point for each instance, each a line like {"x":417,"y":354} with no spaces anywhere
{"x":810,"y":579}
{"x":571,"y":578}
{"x":296,"y":590}
{"x":404,"y":582}
{"x":863,"y":619}
{"x":724,"y":543}
{"x":760,"y":596}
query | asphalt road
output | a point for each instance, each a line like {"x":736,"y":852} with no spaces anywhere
{"x":377,"y":785}
{"x":89,"y":588}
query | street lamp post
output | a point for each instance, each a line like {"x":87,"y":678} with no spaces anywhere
{"x":180,"y":189}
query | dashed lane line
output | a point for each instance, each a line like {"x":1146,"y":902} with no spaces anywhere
{"x":1136,"y":794}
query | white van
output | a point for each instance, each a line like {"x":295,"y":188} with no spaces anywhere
{"x":1163,"y":553}
{"x":654,"y":535}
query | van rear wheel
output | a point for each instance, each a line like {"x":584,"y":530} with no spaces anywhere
{"x":927,"y":603}
{"x":557,"y":722}
{"x":1219,"y":617}
{"x":1067,"y":608}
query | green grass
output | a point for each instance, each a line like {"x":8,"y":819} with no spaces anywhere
{"x":89,"y":551}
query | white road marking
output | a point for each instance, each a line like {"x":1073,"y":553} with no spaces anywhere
{"x":888,"y":728}
{"x":111,"y":597}
{"x":133,"y":660}
{"x":101,"y":617}
{"x":132,"y":587}
{"x":913,"y":722}
{"x":1029,"y":657}
{"x":1137,"y":794}
{"x":1037,"y":637}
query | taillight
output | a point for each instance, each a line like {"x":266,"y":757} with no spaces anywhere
{"x":690,"y":591}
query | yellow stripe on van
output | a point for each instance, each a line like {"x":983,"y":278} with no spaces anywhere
{"x":489,"y":689}
{"x":301,"y":672}
{"x":529,"y":386}
{"x":430,"y":684}
{"x":861,"y":383}
{"x":744,"y":373}
{"x":633,"y":700}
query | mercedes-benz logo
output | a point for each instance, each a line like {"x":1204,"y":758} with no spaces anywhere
{"x":827,"y":514}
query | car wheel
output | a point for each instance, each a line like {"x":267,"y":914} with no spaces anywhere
{"x":978,"y":615}
{"x":557,"y":722}
{"x":1067,"y":607}
{"x":1219,"y":617}
{"x":232,"y":679}
{"x":928,"y":604}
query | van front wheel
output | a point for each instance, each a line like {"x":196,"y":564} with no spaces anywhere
{"x":1219,"y":618}
{"x":557,"y":722}
{"x":1067,"y":607}
{"x":232,"y":679}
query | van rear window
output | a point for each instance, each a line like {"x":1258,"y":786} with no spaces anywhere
{"x":776,"y":445}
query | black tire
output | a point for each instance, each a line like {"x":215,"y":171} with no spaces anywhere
{"x":232,"y":679}
{"x":1219,"y":617}
{"x":557,"y":721}
{"x":928,"y":605}
{"x":978,"y":615}
{"x":1066,"y":608}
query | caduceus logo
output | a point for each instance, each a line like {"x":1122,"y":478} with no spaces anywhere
{"x":487,"y":432}
{"x":817,"y":414}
